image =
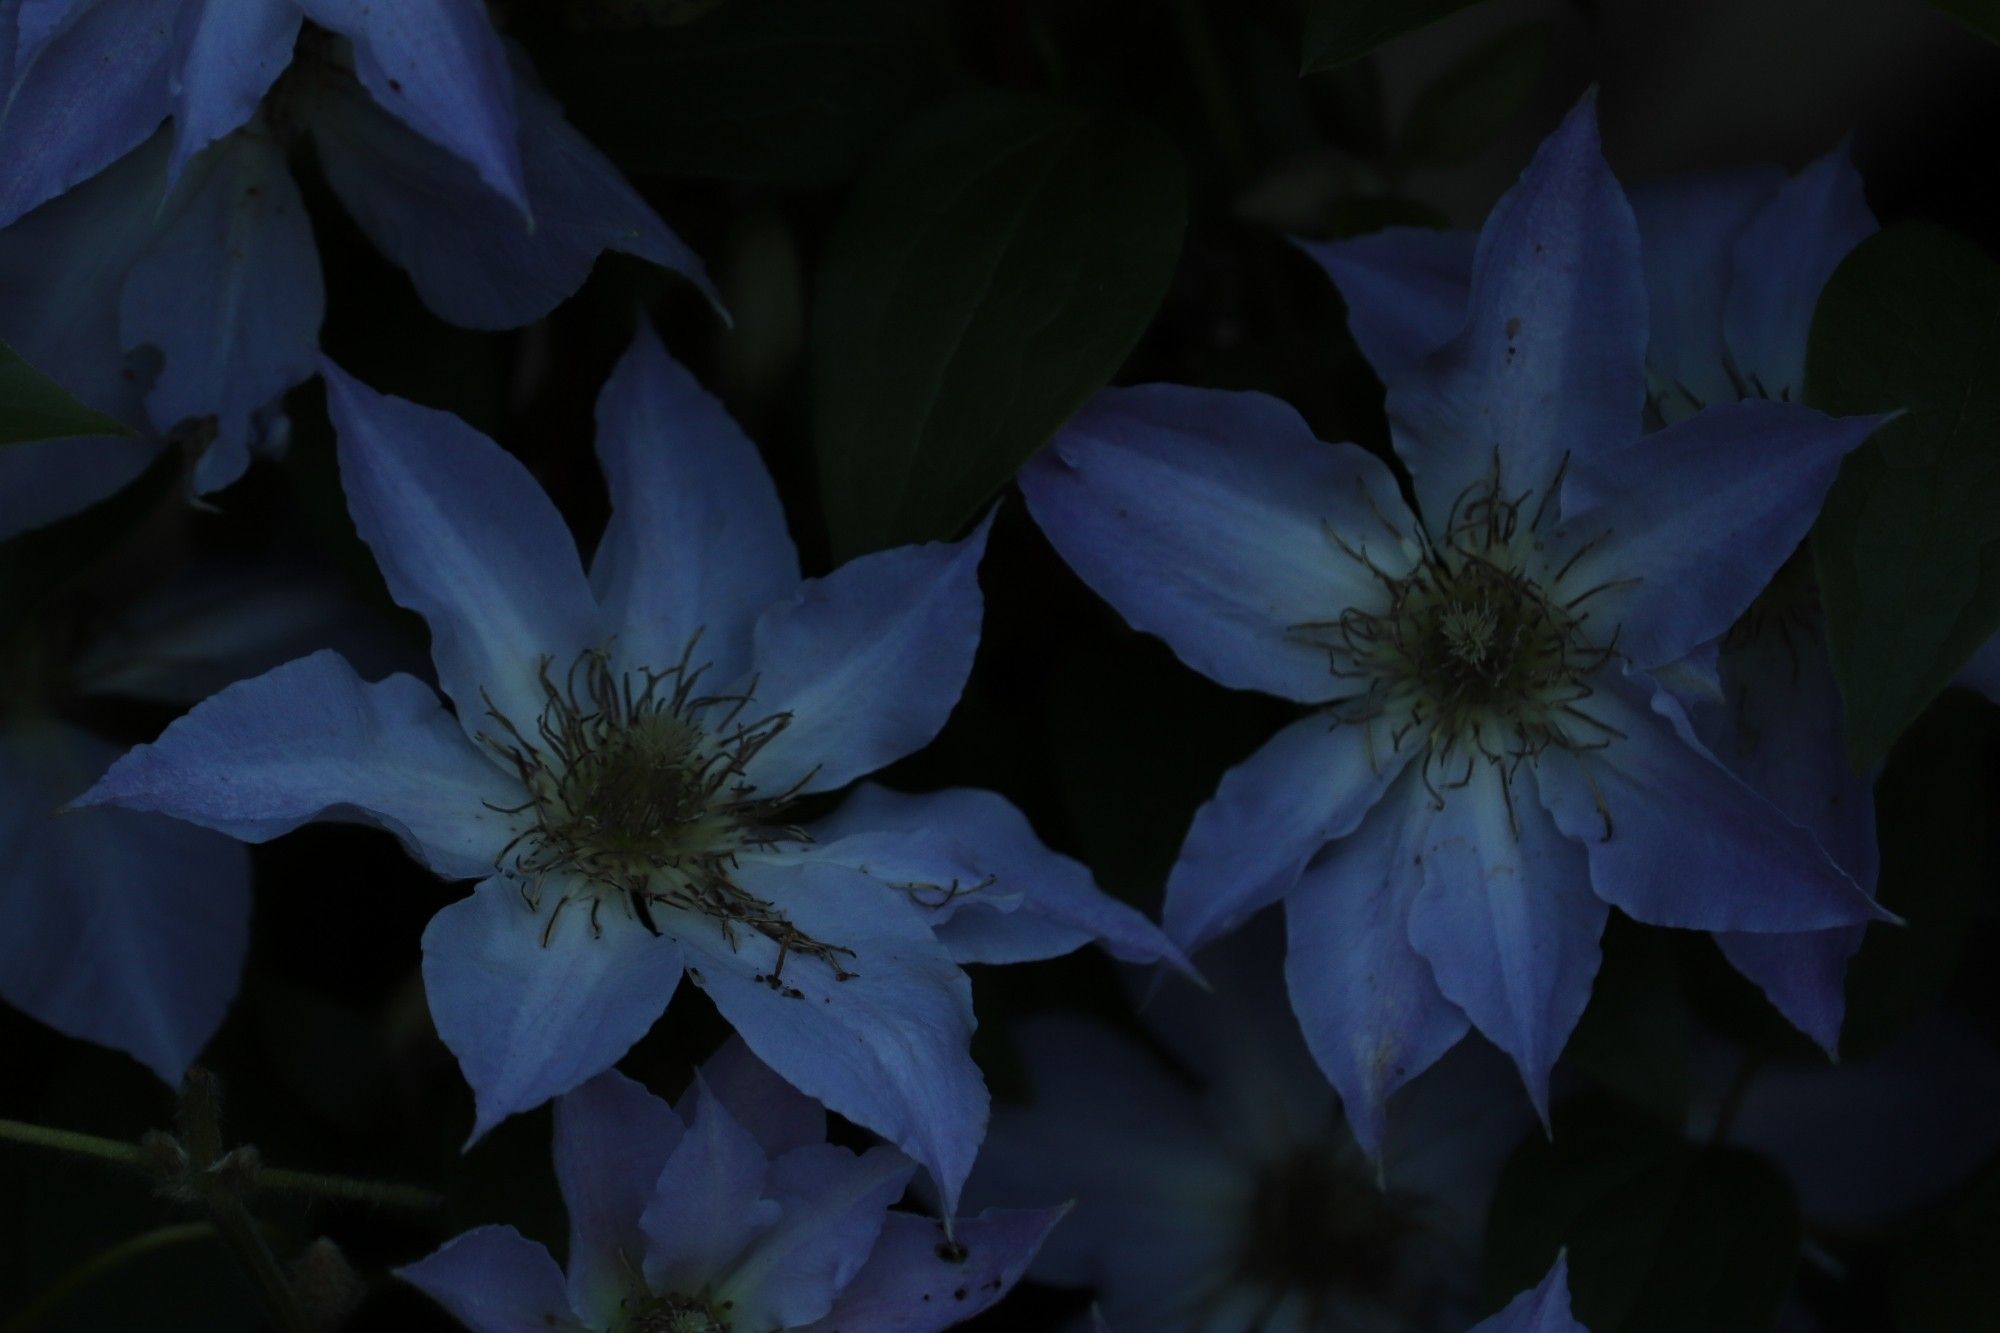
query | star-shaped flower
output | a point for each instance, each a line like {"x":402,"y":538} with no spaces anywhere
{"x":1488,"y":767}
{"x":623,"y":760}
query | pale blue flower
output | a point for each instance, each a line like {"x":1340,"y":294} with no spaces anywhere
{"x":620,"y":759}
{"x":728,"y":1212}
{"x":155,"y":255}
{"x":1544,"y":1309}
{"x":1489,"y":767}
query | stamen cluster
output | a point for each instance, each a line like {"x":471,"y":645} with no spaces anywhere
{"x":638,"y":792}
{"x":675,"y":1314}
{"x":1480,"y":652}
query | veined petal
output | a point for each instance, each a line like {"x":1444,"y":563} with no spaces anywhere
{"x":1675,"y":839}
{"x":473,"y":257}
{"x":697,"y":540}
{"x":991,"y":890}
{"x":1371,"y":1012}
{"x":1508,"y":921}
{"x":868,"y":661}
{"x":834,"y":1204}
{"x":888,"y":1046}
{"x":312,"y":740}
{"x":86,"y":96}
{"x":612,"y":1140}
{"x":227,"y":54}
{"x":533,"y":1007}
{"x":1310,"y":784}
{"x":466,"y":539}
{"x":1696,"y":518}
{"x":124,"y":929}
{"x":438,"y":66}
{"x":918,"y":1279}
{"x":1688,"y":227}
{"x":493,"y":1280}
{"x":1782,"y":260}
{"x":1405,"y":289}
{"x":778,"y":1115}
{"x":230,"y":292}
{"x":1552,"y":358}
{"x":709,"y":1202}
{"x":1215,"y":521}
{"x":1545,"y":1309}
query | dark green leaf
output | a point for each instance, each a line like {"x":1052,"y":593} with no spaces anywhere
{"x":794,"y":92}
{"x":1908,"y":548}
{"x":988,"y":275}
{"x":1663,"y":1236}
{"x":36,"y":564}
{"x":35,"y":407}
{"x":1341,"y":31}
{"x":1468,"y":105}
{"x":1982,"y":16}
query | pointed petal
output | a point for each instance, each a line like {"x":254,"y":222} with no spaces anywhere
{"x":1982,"y":673}
{"x":1687,"y":228}
{"x":124,"y":929}
{"x":1782,"y":260}
{"x":1509,"y":924}
{"x":230,"y":292}
{"x":530,"y":1020}
{"x":887,"y":1047}
{"x":869,"y":661}
{"x":1310,"y":784}
{"x":1698,"y":518}
{"x":990,"y":888}
{"x":493,"y":1280}
{"x":466,"y":539}
{"x":474,"y":259}
{"x":1370,"y":1010}
{"x":82,"y":99}
{"x":834,"y":1204}
{"x":312,"y":740}
{"x":919,"y":1280}
{"x":708,"y":1203}
{"x":612,"y":1140}
{"x":1675,"y":839}
{"x":778,"y":1115}
{"x":1545,"y":1309}
{"x":1405,"y":288}
{"x":438,"y":66}
{"x":227,"y":55}
{"x":1210,"y":519}
{"x":1778,"y":728}
{"x":697,"y":540}
{"x":1552,"y":358}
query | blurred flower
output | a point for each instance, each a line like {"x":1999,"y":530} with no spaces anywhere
{"x":621,"y":769}
{"x":129,"y":929}
{"x":167,"y":274}
{"x":1243,"y":1204}
{"x":1734,"y":264}
{"x":730,"y":1212}
{"x":1542,"y":1310}
{"x":1491,"y":767}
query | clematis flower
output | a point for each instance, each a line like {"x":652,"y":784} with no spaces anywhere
{"x":1243,"y":1204}
{"x":1734,"y":264}
{"x":621,"y":761}
{"x":129,"y":929}
{"x":728,"y":1212}
{"x":1545,"y":1309}
{"x":1488,"y":767}
{"x":155,"y":255}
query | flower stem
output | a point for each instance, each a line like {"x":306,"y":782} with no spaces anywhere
{"x":70,"y":1141}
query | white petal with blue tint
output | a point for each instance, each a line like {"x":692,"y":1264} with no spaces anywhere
{"x":612,"y":1140}
{"x":1405,"y":289}
{"x":833,"y":1204}
{"x":1544,"y":1309}
{"x":493,"y":1280}
{"x":708,"y":1204}
{"x":227,"y":54}
{"x":918,"y":1279}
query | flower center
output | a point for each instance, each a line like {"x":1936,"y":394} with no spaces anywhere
{"x":1480,"y":650}
{"x":638,"y":793}
{"x":673,"y":1314}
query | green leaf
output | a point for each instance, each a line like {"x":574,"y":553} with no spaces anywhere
{"x":1982,"y":16}
{"x":1663,"y":1236}
{"x":1467,"y":106}
{"x":36,"y":565}
{"x":987,"y":276}
{"x":793,"y":92}
{"x":1339,"y":32}
{"x":35,"y":407}
{"x":1908,"y":548}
